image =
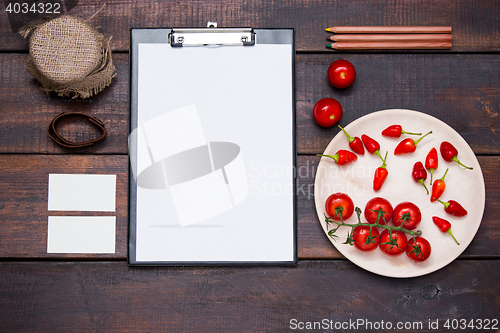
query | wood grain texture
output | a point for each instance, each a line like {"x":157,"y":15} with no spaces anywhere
{"x":23,"y":206}
{"x":27,"y":112}
{"x":24,"y":197}
{"x":474,"y":26}
{"x":100,"y":293}
{"x":462,"y":90}
{"x":111,"y":297}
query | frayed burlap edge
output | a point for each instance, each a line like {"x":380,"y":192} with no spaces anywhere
{"x":90,"y":85}
{"x":30,"y":26}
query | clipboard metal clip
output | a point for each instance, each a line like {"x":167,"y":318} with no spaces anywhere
{"x":211,"y":36}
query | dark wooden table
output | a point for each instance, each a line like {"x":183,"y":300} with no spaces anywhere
{"x":41,"y":292}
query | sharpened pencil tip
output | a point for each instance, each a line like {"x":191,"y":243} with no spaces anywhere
{"x":328,"y":29}
{"x":330,"y":46}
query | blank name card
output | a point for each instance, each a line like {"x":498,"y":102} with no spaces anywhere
{"x":82,"y":192}
{"x":81,"y":234}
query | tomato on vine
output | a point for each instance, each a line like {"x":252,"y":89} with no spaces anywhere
{"x":408,"y":214}
{"x":365,"y":238}
{"x":418,"y":249}
{"x":339,"y":206}
{"x":393,"y":243}
{"x":373,"y":206}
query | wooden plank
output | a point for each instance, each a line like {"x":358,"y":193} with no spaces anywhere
{"x":111,"y":297}
{"x":27,"y":112}
{"x":475,"y":25}
{"x":462,"y":90}
{"x":23,"y":206}
{"x":24,"y":197}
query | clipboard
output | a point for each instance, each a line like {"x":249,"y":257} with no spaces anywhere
{"x":212,"y":147}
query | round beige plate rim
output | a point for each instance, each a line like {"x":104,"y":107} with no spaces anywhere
{"x":356,"y":179}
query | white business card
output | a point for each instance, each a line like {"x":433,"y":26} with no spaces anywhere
{"x":82,"y":192}
{"x":81,"y":234}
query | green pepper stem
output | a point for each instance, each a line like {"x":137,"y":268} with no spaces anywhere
{"x":410,"y":133}
{"x":460,"y":163}
{"x":442,"y":178}
{"x":384,"y":164}
{"x":449,"y":231}
{"x":421,"y":181}
{"x":351,"y":139}
{"x":431,"y":170}
{"x":446,"y":204}
{"x":377,"y":152}
{"x":335,"y":157}
{"x":417,"y":141}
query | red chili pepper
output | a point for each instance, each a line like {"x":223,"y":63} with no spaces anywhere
{"x":408,"y":145}
{"x":438,"y":187}
{"x":371,"y":145}
{"x":355,"y":143}
{"x":342,"y":157}
{"x":380,"y":175}
{"x":395,"y":131}
{"x":444,"y":226}
{"x":419,"y":174}
{"x":449,"y":153}
{"x":431,"y":161}
{"x":454,"y":208}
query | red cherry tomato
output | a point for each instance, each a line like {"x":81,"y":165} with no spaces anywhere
{"x":394,"y":246}
{"x":341,"y":74}
{"x":361,"y":233}
{"x":339,"y":200}
{"x":419,"y":251}
{"x":375,"y":204}
{"x":327,"y":112}
{"x":407,"y":211}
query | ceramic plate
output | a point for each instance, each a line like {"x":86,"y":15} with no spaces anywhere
{"x":356,"y":180}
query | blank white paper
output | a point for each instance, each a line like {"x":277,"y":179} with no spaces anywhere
{"x":174,"y":132}
{"x":80,"y":192}
{"x":81,"y":234}
{"x":243,"y":96}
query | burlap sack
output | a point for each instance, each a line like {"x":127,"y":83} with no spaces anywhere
{"x":68,"y":56}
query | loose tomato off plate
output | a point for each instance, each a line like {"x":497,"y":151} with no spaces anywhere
{"x":356,"y":180}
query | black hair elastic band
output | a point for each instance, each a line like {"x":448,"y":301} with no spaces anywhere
{"x":52,"y":131}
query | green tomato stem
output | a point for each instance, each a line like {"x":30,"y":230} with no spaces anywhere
{"x":380,"y":214}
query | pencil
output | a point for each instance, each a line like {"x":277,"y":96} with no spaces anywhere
{"x":390,"y":29}
{"x":391,"y":37}
{"x":389,"y":45}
